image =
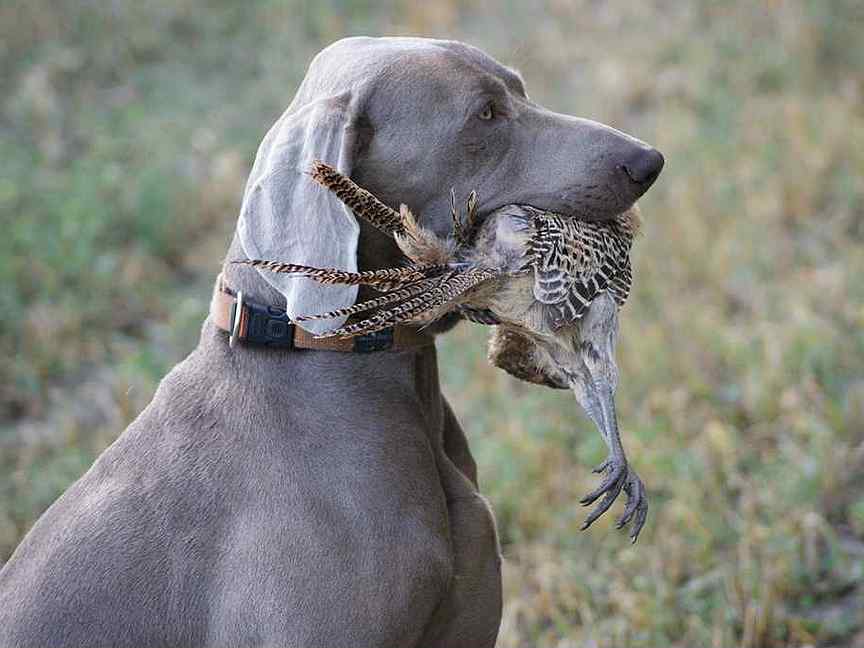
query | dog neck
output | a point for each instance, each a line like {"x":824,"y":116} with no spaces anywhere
{"x":281,"y":384}
{"x":259,"y":373}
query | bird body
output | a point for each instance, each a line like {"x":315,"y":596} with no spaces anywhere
{"x":555,"y":266}
{"x":551,"y":284}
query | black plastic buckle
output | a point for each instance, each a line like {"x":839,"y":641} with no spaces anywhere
{"x":269,"y":326}
{"x":377,"y":341}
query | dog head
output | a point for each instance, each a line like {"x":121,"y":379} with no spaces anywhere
{"x":409,"y":119}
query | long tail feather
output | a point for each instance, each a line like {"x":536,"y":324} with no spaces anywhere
{"x":403,"y":312}
{"x":448,"y":288}
{"x":397,"y":295}
{"x":385,"y":279}
{"x":360,"y":201}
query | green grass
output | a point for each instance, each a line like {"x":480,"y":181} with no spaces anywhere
{"x":125,"y":137}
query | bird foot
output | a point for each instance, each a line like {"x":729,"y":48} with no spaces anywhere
{"x":619,"y":476}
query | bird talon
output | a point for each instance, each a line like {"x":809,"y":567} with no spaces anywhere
{"x":620,"y":477}
{"x":601,"y":468}
{"x":635,"y":489}
{"x":617,"y":470}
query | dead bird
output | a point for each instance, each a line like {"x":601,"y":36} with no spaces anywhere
{"x":551,"y":284}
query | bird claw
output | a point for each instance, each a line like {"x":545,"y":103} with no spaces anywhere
{"x":636,"y":509}
{"x":602,"y":467}
{"x":615,"y":470}
{"x":619,"y":476}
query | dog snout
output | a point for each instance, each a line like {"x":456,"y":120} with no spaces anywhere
{"x":642,"y":166}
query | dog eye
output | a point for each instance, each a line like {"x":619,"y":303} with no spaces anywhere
{"x":488,"y":113}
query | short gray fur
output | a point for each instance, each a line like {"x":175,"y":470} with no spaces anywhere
{"x":316,"y":499}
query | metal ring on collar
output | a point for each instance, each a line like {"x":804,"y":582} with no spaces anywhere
{"x":236,"y":316}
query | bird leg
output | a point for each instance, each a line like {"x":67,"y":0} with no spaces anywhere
{"x":599,"y":399}
{"x":593,"y":381}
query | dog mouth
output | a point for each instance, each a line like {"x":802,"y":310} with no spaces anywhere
{"x":565,"y":211}
{"x":594,"y":203}
{"x":591,"y":204}
{"x":602,"y":199}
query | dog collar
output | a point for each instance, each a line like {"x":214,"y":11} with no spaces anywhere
{"x":247,"y":322}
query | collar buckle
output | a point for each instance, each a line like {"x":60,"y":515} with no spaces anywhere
{"x":261,"y":325}
{"x":234,"y":320}
{"x":378,"y":341}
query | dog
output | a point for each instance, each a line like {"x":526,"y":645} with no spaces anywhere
{"x":280,"y":492}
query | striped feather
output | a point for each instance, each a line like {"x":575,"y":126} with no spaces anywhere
{"x":385,"y":279}
{"x":400,"y":294}
{"x":360,"y":201}
{"x":575,"y":261}
{"x":433,"y":302}
{"x":463,"y":232}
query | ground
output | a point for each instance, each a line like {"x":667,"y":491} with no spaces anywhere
{"x":126,"y":132}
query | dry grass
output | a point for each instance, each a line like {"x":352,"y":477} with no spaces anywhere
{"x":742,"y":395}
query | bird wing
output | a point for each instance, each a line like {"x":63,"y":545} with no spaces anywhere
{"x":575,"y":261}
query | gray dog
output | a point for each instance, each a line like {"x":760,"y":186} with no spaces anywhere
{"x":279,"y":492}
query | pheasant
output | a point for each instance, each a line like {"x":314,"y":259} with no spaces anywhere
{"x":551,"y":284}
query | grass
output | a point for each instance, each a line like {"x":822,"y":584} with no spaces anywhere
{"x":126,"y":136}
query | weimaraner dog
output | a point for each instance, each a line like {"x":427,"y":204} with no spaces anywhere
{"x":279,"y":493}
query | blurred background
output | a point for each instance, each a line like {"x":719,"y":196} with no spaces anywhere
{"x":126,"y":133}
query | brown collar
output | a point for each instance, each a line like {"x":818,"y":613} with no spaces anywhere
{"x":268,"y":326}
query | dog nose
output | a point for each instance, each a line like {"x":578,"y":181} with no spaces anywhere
{"x":643,"y":166}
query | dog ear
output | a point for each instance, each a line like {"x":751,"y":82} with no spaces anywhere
{"x":286,"y":216}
